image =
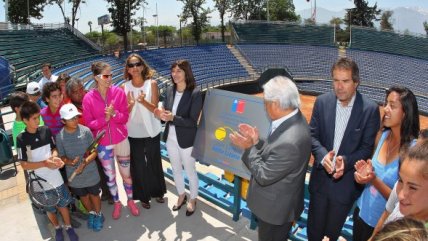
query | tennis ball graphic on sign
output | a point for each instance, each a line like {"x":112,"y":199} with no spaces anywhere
{"x":220,"y":133}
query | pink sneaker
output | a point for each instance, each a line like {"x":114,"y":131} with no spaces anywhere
{"x":133,"y":208}
{"x":116,"y":210}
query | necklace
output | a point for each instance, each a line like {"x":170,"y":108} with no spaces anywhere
{"x":390,"y":150}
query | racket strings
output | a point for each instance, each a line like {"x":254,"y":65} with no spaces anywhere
{"x":44,"y":193}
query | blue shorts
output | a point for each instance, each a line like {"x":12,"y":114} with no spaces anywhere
{"x":64,"y":199}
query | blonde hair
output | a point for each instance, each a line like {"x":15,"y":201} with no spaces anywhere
{"x":419,"y":153}
{"x":405,"y":229}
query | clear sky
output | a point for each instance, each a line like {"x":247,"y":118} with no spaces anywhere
{"x":169,"y":9}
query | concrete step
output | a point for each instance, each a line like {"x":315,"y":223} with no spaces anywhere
{"x":242,"y":60}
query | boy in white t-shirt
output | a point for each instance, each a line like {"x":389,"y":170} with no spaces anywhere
{"x":45,"y":163}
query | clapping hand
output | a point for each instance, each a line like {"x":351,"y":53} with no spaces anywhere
{"x":109,"y":112}
{"x":54,"y":163}
{"x":166,"y":115}
{"x":364,"y":172}
{"x":141,"y":97}
{"x":328,"y":162}
{"x":131,"y":99}
{"x":339,"y":167}
{"x":158,"y":111}
{"x":246,"y":137}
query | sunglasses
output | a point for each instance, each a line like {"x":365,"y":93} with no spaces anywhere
{"x":105,"y":76}
{"x":132,"y":65}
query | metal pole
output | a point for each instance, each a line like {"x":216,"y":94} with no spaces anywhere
{"x":350,"y":28}
{"x":157,"y":25}
{"x":130,"y":23}
{"x":6,"y":11}
{"x":268,"y":17}
{"x":28,"y":11}
{"x":315,"y":11}
{"x":144,"y":32}
{"x":181,"y":35}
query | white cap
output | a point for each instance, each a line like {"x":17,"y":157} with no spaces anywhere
{"x":33,"y":88}
{"x":68,"y":111}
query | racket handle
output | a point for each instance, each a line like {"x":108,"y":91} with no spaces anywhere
{"x":73,"y":175}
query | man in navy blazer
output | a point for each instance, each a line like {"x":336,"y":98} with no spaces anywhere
{"x":343,"y":127}
{"x":277,"y":164}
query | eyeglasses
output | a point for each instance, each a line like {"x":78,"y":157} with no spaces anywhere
{"x":132,"y":65}
{"x":104,"y":76}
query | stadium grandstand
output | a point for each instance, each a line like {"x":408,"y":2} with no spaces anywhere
{"x":306,"y":52}
{"x":26,"y":47}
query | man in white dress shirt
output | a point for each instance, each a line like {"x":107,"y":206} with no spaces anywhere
{"x":47,"y":75}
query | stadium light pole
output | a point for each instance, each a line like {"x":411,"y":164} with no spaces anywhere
{"x":130,"y":24}
{"x":28,"y":11}
{"x":350,"y":26}
{"x":181,"y":35}
{"x":156,"y":16}
{"x":267,"y":8}
{"x":143,"y":30}
{"x":6,"y":11}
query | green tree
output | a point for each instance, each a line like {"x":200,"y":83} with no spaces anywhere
{"x":426,"y":26}
{"x":194,"y":10}
{"x":166,"y":32}
{"x":336,"y":21}
{"x":342,"y":36}
{"x":150,"y":35}
{"x":213,"y":28}
{"x":309,"y":21}
{"x":90,"y":26}
{"x":112,"y":40}
{"x":121,"y":15}
{"x":222,"y":6}
{"x":247,"y":9}
{"x":186,"y":34}
{"x":385,"y":21}
{"x":362,"y":14}
{"x":93,"y":35}
{"x":18,"y":10}
{"x":282,"y":10}
{"x":75,"y":4}
{"x":279,"y":10}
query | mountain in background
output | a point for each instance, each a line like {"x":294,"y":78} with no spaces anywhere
{"x":323,"y":15}
{"x":410,"y":18}
{"x":403,"y":18}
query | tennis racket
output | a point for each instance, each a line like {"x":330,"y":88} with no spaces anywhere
{"x":91,"y":148}
{"x":41,"y":192}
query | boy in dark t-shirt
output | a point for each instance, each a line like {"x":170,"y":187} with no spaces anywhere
{"x":45,"y":163}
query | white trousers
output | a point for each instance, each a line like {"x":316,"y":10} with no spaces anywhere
{"x":180,"y":158}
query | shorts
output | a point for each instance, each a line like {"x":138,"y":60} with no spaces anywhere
{"x":63,"y":174}
{"x":81,"y":192}
{"x":64,"y":199}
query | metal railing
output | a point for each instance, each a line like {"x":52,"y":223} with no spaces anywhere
{"x":80,"y":35}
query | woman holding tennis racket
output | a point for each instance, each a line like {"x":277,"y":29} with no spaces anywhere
{"x":106,"y":108}
{"x":37,"y":153}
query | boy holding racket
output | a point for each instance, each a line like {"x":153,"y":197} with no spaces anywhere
{"x":72,"y":142}
{"x":45,"y":163}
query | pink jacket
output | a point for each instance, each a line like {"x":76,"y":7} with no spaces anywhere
{"x":94,"y":115}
